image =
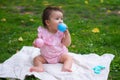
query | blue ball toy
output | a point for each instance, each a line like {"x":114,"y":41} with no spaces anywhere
{"x":62,"y":27}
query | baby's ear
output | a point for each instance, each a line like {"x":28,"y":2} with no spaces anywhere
{"x":47,"y":22}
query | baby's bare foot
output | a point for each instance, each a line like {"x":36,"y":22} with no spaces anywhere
{"x":36,"y":69}
{"x":66,"y":70}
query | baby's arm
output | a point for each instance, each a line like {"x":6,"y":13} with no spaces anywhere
{"x":34,"y":44}
{"x":38,"y":42}
{"x":66,"y":39}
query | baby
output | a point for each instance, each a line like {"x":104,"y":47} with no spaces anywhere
{"x":52,"y":42}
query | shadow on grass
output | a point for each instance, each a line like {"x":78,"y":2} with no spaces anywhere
{"x":27,"y":77}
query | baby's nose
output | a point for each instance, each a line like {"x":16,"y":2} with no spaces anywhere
{"x":61,"y":21}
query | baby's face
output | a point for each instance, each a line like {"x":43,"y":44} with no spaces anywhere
{"x":56,"y":17}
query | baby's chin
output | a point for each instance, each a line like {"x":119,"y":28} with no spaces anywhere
{"x":53,"y":31}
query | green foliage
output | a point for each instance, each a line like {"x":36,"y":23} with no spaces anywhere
{"x":93,"y":24}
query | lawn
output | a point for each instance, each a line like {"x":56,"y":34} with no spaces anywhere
{"x":94,"y":26}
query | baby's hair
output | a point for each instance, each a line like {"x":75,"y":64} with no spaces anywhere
{"x":47,"y":12}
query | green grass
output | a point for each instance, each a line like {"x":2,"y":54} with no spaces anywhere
{"x":20,"y":18}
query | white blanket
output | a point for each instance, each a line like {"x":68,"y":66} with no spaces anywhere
{"x":19,"y":64}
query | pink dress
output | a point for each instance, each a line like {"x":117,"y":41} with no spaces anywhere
{"x":52,"y":48}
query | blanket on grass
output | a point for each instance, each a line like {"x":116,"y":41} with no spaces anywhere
{"x":85,"y":67}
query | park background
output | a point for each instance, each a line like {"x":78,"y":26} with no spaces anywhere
{"x":94,"y":26}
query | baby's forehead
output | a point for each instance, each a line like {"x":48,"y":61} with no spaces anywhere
{"x":56,"y":14}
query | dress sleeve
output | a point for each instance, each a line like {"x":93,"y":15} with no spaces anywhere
{"x":39,"y":32}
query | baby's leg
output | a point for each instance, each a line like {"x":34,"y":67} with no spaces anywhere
{"x":38,"y":64}
{"x":67,"y":62}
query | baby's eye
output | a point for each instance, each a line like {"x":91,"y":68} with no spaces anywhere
{"x":57,"y":18}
